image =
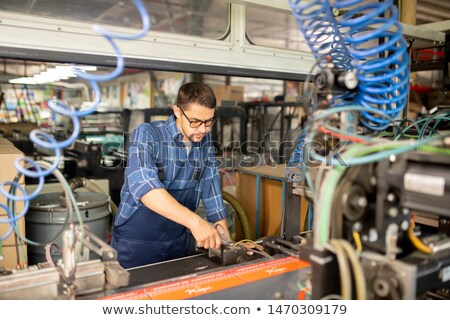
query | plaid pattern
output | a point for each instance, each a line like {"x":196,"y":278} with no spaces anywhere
{"x":157,"y":158}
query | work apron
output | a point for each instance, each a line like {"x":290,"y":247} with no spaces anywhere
{"x":147,"y":237}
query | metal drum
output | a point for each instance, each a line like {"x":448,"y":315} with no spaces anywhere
{"x":47,"y":215}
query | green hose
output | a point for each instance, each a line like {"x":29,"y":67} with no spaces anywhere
{"x":240,"y":212}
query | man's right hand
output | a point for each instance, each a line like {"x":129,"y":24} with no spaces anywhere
{"x":204,"y":233}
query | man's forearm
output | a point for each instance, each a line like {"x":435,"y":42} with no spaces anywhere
{"x":160,"y":201}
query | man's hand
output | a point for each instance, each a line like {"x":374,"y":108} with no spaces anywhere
{"x":205,"y":234}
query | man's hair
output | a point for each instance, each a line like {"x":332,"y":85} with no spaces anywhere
{"x":196,"y":92}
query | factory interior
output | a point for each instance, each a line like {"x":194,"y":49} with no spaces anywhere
{"x":332,"y":143}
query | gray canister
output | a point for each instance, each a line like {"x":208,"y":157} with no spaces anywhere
{"x":47,"y":215}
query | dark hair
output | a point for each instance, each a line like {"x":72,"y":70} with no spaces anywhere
{"x":196,"y":92}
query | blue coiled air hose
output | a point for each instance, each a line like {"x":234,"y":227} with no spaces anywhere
{"x":383,"y":82}
{"x":321,"y":31}
{"x":358,"y":40}
{"x":47,"y":141}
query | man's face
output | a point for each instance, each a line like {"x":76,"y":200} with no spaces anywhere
{"x":193,"y":115}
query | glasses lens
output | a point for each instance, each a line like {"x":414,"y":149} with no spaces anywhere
{"x":210,"y":122}
{"x":196,"y":123}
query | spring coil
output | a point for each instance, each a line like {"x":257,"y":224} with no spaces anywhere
{"x":383,"y":81}
{"x":296,"y":162}
{"x":46,"y":140}
{"x":321,"y":31}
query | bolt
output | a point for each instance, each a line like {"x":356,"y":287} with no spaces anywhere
{"x":365,"y":238}
{"x":393,"y":212}
{"x":405,"y":211}
{"x":405,"y":225}
{"x":362,"y":202}
{"x":390,"y":197}
{"x":357,"y":226}
{"x":373,"y":181}
{"x":392,"y":158}
{"x":110,"y":255}
{"x":443,"y":221}
{"x":373,"y":235}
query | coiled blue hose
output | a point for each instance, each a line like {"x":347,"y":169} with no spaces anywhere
{"x":321,"y":31}
{"x":383,"y":81}
{"x":46,"y":140}
{"x":358,"y":40}
{"x":296,"y":162}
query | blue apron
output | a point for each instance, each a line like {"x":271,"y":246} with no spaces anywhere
{"x":147,"y":237}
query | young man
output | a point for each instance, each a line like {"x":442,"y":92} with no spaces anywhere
{"x":171,"y":166}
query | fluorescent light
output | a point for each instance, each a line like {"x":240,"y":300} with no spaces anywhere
{"x":61,"y":72}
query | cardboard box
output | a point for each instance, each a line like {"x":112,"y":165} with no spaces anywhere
{"x":5,"y":142}
{"x":10,"y":258}
{"x":4,"y":227}
{"x":226,"y":95}
{"x":8,"y":154}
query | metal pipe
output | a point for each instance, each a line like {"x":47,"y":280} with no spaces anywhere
{"x":408,"y":11}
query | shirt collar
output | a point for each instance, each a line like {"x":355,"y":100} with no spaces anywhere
{"x":173,"y":130}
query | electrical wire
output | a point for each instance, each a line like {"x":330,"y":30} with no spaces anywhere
{"x":357,"y":239}
{"x":344,"y":269}
{"x":360,"y":282}
{"x":435,"y":149}
{"x":340,"y":134}
{"x":416,"y":241}
{"x":257,"y":246}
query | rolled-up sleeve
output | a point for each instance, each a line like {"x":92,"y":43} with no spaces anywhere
{"x":141,"y":171}
{"x":211,"y":194}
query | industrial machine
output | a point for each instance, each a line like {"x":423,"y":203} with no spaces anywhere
{"x":368,"y":180}
{"x":368,"y":175}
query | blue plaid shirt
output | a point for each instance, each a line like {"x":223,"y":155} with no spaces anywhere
{"x":157,"y":158}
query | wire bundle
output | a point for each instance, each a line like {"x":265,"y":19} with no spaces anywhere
{"x":29,"y":167}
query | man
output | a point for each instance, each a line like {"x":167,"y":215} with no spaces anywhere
{"x":171,"y":166}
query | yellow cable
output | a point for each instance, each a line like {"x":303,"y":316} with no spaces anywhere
{"x":360,"y":280}
{"x":344,"y":270}
{"x":357,"y":239}
{"x":416,"y":241}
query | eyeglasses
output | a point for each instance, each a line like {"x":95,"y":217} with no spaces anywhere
{"x":197,"y":123}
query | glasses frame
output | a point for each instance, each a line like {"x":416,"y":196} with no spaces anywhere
{"x":213,"y":120}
